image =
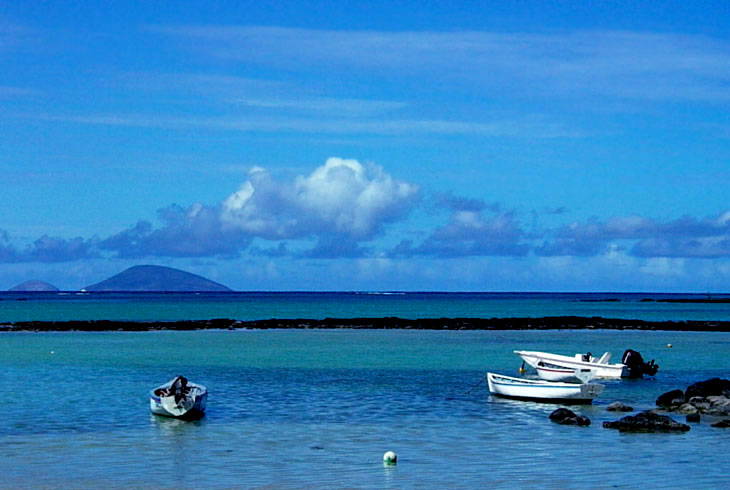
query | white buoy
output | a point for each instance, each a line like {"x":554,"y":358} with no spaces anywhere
{"x":390,"y":457}
{"x":52,"y":352}
{"x":669,"y":346}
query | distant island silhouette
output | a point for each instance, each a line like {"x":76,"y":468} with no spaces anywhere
{"x":34,"y":286}
{"x":156,"y":278}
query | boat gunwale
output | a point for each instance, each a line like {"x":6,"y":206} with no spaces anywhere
{"x":541,"y":383}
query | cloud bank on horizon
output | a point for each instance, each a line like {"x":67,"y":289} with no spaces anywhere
{"x":480,"y":156}
{"x":342,"y":207}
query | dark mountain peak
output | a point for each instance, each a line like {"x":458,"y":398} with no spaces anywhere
{"x":156,"y":278}
{"x":34,"y":285}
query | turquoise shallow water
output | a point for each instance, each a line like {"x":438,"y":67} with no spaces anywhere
{"x":15,"y":307}
{"x":317,"y":409}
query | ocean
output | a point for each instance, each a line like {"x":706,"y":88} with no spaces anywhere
{"x":16,"y":307}
{"x":318,"y":408}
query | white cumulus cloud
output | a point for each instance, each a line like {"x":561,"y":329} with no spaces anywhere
{"x":342,"y":197}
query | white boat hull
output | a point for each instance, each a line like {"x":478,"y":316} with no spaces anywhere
{"x":542,"y":391}
{"x":554,"y":367}
{"x":550,"y":372}
{"x":191,"y":407}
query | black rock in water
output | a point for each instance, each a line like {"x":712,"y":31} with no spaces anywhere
{"x":34,"y":286}
{"x":619,"y":407}
{"x":568,"y":417}
{"x":157,"y":278}
{"x":647,"y":421}
{"x":670,"y":399}
{"x":710,"y":387}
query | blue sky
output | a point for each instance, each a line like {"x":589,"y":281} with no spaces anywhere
{"x":480,"y":146}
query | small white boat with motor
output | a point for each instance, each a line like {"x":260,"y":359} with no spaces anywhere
{"x":538,"y":390}
{"x":556,"y":367}
{"x":179,"y":398}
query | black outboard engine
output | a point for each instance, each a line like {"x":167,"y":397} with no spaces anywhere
{"x":650,"y":368}
{"x":637,"y":367}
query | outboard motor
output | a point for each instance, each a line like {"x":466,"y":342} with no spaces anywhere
{"x":637,"y":367}
{"x":650,"y":368}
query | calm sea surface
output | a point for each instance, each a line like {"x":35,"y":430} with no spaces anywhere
{"x":318,"y":408}
{"x":258,"y":305}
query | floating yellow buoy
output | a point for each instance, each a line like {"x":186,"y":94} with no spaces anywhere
{"x":390,"y":458}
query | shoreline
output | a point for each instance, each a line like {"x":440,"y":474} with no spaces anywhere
{"x":541,"y":323}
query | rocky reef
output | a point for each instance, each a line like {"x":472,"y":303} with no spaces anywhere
{"x":544,"y":323}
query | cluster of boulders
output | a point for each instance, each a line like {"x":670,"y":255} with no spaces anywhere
{"x":647,"y":421}
{"x":710,"y":398}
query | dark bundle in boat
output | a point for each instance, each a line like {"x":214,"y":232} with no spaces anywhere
{"x":178,"y":388}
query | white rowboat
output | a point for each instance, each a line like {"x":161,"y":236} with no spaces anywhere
{"x":539,"y":390}
{"x":189,"y":405}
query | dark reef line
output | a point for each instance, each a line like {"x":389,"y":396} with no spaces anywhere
{"x":544,"y":323}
